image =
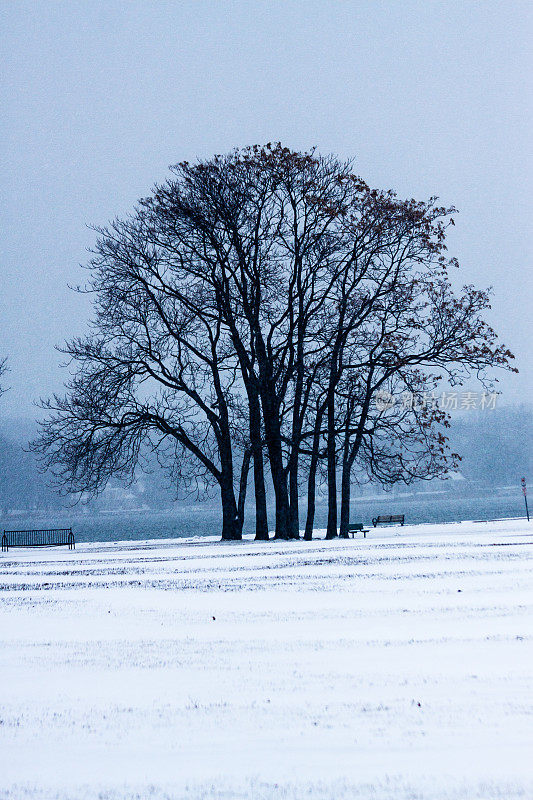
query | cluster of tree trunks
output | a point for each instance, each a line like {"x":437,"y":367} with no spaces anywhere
{"x":268,"y":310}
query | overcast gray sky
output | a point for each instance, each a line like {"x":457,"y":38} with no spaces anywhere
{"x":98,"y":98}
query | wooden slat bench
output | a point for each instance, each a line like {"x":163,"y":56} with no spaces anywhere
{"x":357,"y":527}
{"x":39,"y":538}
{"x":388,"y":519}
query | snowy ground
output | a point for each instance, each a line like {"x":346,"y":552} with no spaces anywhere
{"x":400,"y":666}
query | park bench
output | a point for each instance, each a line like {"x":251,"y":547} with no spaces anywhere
{"x":357,"y":527}
{"x":40,"y":538}
{"x":388,"y":519}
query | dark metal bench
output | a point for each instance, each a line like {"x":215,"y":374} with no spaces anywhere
{"x":388,"y":519}
{"x":357,"y":527}
{"x":40,"y":538}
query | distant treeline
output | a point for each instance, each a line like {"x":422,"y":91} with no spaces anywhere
{"x":22,"y":487}
{"x":496,"y":446}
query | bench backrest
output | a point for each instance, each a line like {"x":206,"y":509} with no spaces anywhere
{"x":38,"y":538}
{"x":385,"y":518}
{"x":355,"y":526}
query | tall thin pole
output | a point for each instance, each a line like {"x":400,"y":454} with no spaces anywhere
{"x":524,"y":489}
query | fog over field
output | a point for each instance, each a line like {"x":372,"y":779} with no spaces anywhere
{"x":496,"y":447}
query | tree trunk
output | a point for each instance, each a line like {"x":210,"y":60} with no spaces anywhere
{"x":261,"y":519}
{"x":279,"y":480}
{"x":281,"y":494}
{"x":349,"y":455}
{"x":294,"y":512}
{"x":331,"y":531}
{"x":311,"y":480}
{"x":345,"y":497}
{"x":345,"y":480}
{"x":297,"y":422}
{"x":243,"y":485}
{"x":231,"y":529}
{"x":270,"y":405}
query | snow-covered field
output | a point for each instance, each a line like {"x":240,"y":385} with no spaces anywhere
{"x":400,"y":666}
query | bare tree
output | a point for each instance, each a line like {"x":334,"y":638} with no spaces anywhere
{"x":249,"y":311}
